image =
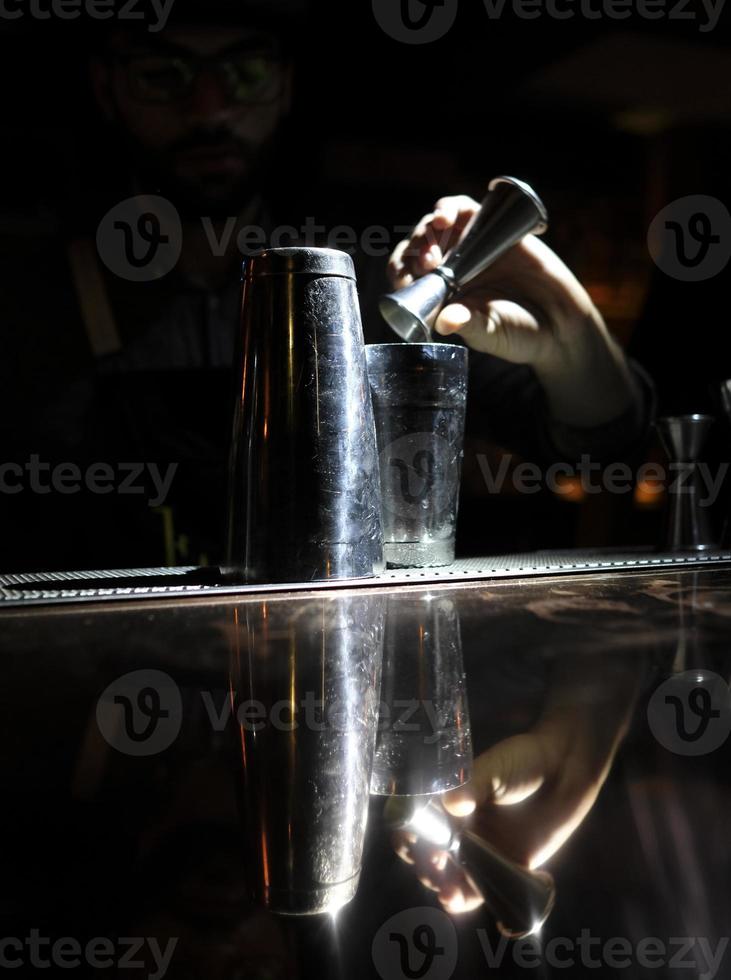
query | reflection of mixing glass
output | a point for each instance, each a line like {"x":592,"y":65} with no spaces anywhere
{"x":687,"y":646}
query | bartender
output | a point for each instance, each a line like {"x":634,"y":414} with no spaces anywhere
{"x":141,"y":371}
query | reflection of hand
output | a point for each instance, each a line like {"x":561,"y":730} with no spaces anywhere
{"x":439,"y":871}
{"x":530,"y":792}
{"x":528,"y":308}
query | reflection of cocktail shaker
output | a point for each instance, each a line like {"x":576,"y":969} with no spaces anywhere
{"x":304,"y":691}
{"x":304,"y":487}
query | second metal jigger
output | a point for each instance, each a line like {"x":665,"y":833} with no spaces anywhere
{"x":510,"y":211}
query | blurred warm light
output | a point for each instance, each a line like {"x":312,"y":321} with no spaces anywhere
{"x":643,"y":122}
{"x":649,"y":494}
{"x":570,"y":488}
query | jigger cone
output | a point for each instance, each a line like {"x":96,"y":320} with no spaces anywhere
{"x":510,"y":211}
{"x":683,"y":438}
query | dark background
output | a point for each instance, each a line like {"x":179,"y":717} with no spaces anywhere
{"x":609,"y":119}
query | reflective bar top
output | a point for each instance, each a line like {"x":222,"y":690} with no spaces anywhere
{"x":599,"y":708}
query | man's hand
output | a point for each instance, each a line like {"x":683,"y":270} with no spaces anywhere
{"x":527,"y":308}
{"x":530,"y":792}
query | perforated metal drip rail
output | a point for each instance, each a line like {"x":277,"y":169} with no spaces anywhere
{"x":33,"y":578}
{"x":551,"y":563}
{"x":51,"y":588}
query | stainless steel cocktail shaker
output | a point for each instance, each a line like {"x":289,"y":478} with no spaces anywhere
{"x":304,"y":500}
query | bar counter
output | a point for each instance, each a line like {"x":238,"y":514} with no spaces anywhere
{"x":583,"y":689}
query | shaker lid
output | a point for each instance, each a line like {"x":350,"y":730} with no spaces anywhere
{"x":299,"y":261}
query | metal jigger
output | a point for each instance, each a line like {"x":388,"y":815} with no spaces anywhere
{"x":520,"y":900}
{"x":510,"y":211}
{"x":683,"y":438}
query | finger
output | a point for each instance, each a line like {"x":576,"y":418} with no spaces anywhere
{"x":459,"y":901}
{"x":508,"y":773}
{"x":403,"y":843}
{"x":459,"y":893}
{"x":499,"y":327}
{"x":450,"y":218}
{"x":459,"y":802}
{"x":455,"y":211}
{"x":439,"y":860}
{"x":436,"y":233}
{"x":397,"y":273}
{"x":513,"y":770}
{"x":423,"y":252}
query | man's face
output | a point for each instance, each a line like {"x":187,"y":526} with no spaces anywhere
{"x":199,"y":108}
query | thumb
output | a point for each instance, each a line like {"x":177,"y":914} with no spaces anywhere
{"x":508,"y":773}
{"x":499,"y":327}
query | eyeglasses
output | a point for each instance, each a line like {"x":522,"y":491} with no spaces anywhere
{"x":249,"y":76}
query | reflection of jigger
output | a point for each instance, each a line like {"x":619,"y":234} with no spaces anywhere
{"x":424,"y":741}
{"x":520,"y":900}
{"x":304,"y":691}
{"x":510,"y":211}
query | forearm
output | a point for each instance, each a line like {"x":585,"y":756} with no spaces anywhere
{"x":588,"y":381}
{"x":596,"y":402}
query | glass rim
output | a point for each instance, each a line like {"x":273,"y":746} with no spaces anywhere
{"x":408,"y":357}
{"x":420,"y":344}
